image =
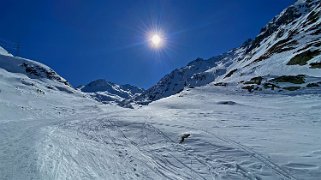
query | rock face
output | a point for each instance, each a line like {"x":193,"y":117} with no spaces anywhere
{"x":108,"y":92}
{"x":289,"y":45}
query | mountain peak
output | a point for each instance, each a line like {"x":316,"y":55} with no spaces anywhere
{"x":4,"y":52}
{"x":109,"y":92}
{"x":32,"y":69}
{"x":97,"y":85}
{"x":288,"y":48}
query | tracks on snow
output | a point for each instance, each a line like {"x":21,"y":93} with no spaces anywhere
{"x":165,"y":156}
{"x":266,"y":161}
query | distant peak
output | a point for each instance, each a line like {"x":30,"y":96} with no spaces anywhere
{"x":4,"y":52}
{"x":305,"y":1}
{"x":99,"y":82}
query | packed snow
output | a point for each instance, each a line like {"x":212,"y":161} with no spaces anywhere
{"x":60,"y":135}
{"x":49,"y":130}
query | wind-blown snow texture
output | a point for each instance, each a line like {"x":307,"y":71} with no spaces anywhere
{"x":49,"y":130}
{"x":52,"y":134}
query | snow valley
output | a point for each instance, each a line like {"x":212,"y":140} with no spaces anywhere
{"x":251,"y":113}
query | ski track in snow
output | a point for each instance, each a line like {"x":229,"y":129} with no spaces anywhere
{"x":80,"y":139}
{"x":48,"y":130}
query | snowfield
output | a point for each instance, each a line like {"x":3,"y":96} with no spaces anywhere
{"x":49,"y":130}
{"x":234,"y":135}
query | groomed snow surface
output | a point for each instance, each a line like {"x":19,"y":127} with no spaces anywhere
{"x":233,"y":135}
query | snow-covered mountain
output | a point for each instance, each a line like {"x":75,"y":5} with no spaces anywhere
{"x":108,"y":92}
{"x":32,"y":98}
{"x":48,"y":130}
{"x":4,"y":52}
{"x":285,"y":56}
{"x":196,"y":73}
{"x":39,"y":77}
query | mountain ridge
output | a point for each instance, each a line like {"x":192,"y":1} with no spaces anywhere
{"x":272,"y":54}
{"x":284,"y":56}
{"x":109,"y":92}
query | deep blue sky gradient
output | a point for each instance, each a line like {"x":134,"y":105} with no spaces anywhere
{"x":84,"y":40}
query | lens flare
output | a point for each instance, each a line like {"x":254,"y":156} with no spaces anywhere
{"x":156,"y":40}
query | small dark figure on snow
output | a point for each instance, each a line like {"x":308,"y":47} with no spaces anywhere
{"x":185,"y":135}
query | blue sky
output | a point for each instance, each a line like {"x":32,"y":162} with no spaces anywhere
{"x":86,"y":40}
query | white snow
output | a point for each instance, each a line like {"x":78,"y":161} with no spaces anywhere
{"x":294,"y":31}
{"x":59,"y":135}
{"x":110,"y":93}
{"x":4,"y":52}
{"x":48,"y":130}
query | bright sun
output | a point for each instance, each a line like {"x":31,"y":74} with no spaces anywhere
{"x":156,"y":41}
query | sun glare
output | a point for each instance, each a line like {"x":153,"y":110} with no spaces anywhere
{"x":156,"y":40}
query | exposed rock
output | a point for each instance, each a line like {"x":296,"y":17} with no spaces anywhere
{"x":227,"y":102}
{"x":299,"y":79}
{"x":303,"y":58}
{"x":292,"y":88}
{"x":230,"y":73}
{"x":311,"y":85}
{"x":315,"y":65}
{"x":255,"y":80}
{"x":220,"y":84}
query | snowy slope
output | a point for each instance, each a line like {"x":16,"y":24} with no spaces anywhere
{"x":194,"y":74}
{"x":287,"y":47}
{"x":108,"y":92}
{"x":48,"y":130}
{"x":32,"y":96}
{"x":29,"y":69}
{"x":238,"y":136}
{"x":4,"y":52}
{"x":63,"y":136}
{"x":51,"y":134}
